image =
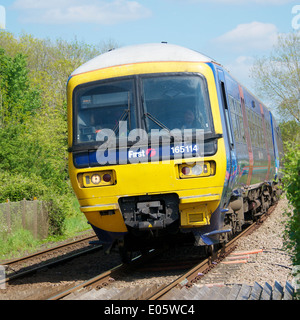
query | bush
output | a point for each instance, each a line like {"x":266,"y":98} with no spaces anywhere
{"x":291,"y":182}
{"x":18,"y":187}
{"x":59,"y":208}
{"x":33,"y":121}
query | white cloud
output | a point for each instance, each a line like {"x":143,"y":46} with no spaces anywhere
{"x":240,"y":69}
{"x":2,"y":17}
{"x":248,"y":36}
{"x":40,"y":4}
{"x":75,"y":11}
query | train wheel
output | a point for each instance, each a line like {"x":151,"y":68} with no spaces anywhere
{"x":126,"y":255}
{"x":276,"y":192}
{"x":209,"y":250}
{"x":124,"y":251}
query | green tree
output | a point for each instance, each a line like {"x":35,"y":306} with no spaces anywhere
{"x":18,"y":98}
{"x":290,"y":131}
{"x":32,"y":143}
{"x":51,"y":62}
{"x":292,"y":187}
{"x":33,"y":119}
{"x":278,"y":80}
{"x":278,"y":76}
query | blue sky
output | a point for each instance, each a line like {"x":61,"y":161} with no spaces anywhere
{"x":231,"y":31}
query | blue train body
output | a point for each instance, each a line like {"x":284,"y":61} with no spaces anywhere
{"x":152,"y":86}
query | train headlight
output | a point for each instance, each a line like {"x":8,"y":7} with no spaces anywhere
{"x":203,"y":169}
{"x":197,"y":170}
{"x":97,"y":179}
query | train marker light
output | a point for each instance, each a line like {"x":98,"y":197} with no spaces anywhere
{"x":107,"y":177}
{"x":185,"y":170}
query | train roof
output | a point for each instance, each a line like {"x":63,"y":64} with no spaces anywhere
{"x":142,"y":53}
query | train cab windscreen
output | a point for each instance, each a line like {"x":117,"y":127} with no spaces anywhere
{"x":103,"y":106}
{"x":176,"y":102}
{"x":161,"y":102}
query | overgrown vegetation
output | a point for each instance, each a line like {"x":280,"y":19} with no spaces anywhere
{"x":278,"y":80}
{"x":278,"y":76}
{"x":19,"y":239}
{"x":33,"y":120}
{"x":22,"y":241}
{"x":291,"y":182}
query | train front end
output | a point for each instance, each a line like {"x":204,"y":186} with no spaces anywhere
{"x":147,"y":157}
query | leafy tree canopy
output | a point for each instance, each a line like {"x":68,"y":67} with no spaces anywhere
{"x":33,"y":118}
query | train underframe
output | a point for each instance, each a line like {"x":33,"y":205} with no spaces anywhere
{"x":154,"y":221}
{"x":253,"y":202}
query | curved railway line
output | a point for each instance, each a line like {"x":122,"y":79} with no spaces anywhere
{"x":182,"y":284}
{"x":26,"y":265}
{"x":24,"y":274}
{"x":183,"y":287}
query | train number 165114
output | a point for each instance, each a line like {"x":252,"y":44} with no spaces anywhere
{"x":182,"y":149}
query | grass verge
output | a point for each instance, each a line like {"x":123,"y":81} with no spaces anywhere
{"x":22,"y":242}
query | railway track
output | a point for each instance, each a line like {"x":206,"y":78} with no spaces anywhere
{"x":183,"y":287}
{"x":106,"y":278}
{"x":29,"y":264}
{"x":184,"y":284}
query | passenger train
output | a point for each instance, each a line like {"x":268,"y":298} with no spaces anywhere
{"x":165,"y":145}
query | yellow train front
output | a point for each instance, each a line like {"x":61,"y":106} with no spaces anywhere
{"x":148,"y":158}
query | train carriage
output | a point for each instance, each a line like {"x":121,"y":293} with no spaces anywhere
{"x":165,"y":144}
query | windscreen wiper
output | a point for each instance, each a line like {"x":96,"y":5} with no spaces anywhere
{"x":156,"y":121}
{"x":151,"y":117}
{"x":124,"y":116}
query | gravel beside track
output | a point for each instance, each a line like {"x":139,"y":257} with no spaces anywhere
{"x":274,"y":263}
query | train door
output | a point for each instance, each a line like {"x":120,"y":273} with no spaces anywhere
{"x":231,"y":154}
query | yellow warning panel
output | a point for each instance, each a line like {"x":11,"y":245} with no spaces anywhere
{"x":195,"y":216}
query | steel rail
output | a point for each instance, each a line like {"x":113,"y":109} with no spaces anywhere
{"x":9,"y":262}
{"x":194,"y":274}
{"x":186,"y":280}
{"x":103,"y":277}
{"x":49,"y":264}
{"x":42,"y":265}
